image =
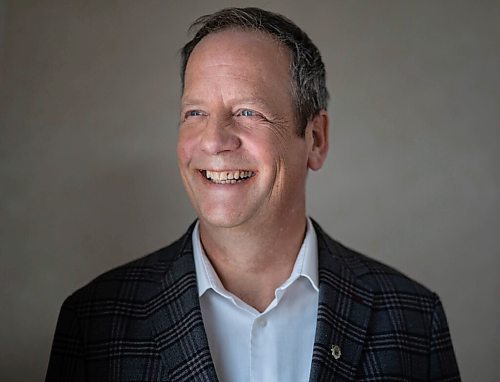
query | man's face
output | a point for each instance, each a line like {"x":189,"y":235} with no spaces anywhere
{"x":239,"y":154}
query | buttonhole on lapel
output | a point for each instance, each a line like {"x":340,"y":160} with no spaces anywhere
{"x":335,"y":351}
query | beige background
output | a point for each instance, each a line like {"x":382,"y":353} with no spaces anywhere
{"x":88,"y":176}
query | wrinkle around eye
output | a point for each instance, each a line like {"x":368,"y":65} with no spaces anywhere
{"x":277,"y":127}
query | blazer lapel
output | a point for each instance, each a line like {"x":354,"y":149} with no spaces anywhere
{"x":344,"y":310}
{"x":176,"y":319}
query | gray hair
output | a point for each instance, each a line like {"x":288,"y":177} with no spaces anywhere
{"x":307,"y":69}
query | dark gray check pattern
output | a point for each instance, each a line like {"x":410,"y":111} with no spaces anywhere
{"x":142,"y":322}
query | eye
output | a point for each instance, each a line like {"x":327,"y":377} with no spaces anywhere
{"x":193,"y":113}
{"x":247,"y":113}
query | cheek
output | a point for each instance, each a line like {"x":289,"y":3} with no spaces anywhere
{"x":264,"y":152}
{"x":294,"y":160}
{"x":185,"y":147}
{"x":263,"y":142}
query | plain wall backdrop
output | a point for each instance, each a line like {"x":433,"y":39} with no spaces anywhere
{"x":88,"y":174}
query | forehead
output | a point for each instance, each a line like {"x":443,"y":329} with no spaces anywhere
{"x":235,"y":34}
{"x":254,"y":53}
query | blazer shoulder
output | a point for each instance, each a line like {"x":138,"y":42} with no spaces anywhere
{"x":400,"y":323}
{"x":133,"y":278}
{"x":377,"y":276}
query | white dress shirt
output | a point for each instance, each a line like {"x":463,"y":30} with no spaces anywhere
{"x":272,"y":346}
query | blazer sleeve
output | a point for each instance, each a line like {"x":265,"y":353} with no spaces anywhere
{"x":443,"y":365}
{"x":66,"y":361}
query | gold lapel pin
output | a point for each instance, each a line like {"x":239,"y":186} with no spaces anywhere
{"x":335,"y":350}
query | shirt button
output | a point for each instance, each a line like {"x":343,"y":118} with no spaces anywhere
{"x":262,"y":322}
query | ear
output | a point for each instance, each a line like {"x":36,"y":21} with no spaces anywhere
{"x":317,"y":136}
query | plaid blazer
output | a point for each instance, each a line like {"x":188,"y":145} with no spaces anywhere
{"x":142,"y":322}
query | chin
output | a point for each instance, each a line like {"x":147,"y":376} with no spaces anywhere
{"x":221,"y":219}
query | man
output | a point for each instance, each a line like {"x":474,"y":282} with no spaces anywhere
{"x":254,"y":291}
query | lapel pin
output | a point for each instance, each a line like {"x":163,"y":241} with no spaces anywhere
{"x":335,"y":350}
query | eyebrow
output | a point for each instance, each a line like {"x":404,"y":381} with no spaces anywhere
{"x":249,"y":101}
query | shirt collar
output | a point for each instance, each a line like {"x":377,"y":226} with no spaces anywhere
{"x":306,"y":264}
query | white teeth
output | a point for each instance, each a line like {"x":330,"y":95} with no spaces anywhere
{"x":228,"y":177}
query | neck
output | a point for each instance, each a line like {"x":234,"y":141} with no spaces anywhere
{"x":252,"y":263}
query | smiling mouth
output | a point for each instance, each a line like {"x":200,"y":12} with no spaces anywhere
{"x":227,"y":177}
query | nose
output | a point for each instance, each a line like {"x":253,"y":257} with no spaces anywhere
{"x":219,"y":136}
